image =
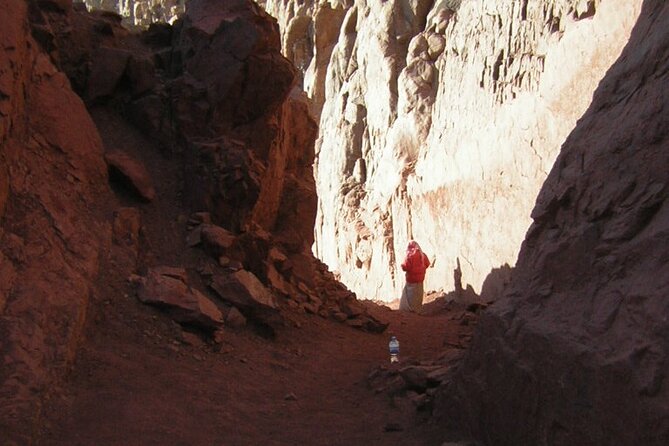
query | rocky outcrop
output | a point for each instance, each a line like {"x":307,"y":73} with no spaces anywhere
{"x":577,"y":351}
{"x":215,"y":91}
{"x":51,"y":233}
{"x":221,"y":97}
{"x":440,"y":121}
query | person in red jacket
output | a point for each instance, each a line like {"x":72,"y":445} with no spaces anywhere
{"x":415,"y":264}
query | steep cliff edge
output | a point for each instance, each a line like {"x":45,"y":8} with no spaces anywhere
{"x":440,"y":121}
{"x":577,"y":351}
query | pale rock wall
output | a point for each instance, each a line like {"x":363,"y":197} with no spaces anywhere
{"x":440,"y":121}
{"x":141,"y":12}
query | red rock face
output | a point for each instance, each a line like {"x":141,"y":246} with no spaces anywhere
{"x":216,"y":92}
{"x":52,"y":171}
{"x":577,"y":350}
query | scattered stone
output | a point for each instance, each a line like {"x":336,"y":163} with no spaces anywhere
{"x":420,"y":400}
{"x":310,"y":308}
{"x":351,"y":308}
{"x":191,"y":339}
{"x":235,"y":318}
{"x":170,"y":271}
{"x":243,"y":289}
{"x":393,"y":427}
{"x":107,"y":68}
{"x":199,"y":218}
{"x":234,"y":265}
{"x":194,"y":237}
{"x":132,"y":172}
{"x":141,"y":74}
{"x":438,"y":375}
{"x":134,"y":279}
{"x":315,"y":300}
{"x":276,"y":256}
{"x":373,"y":325}
{"x":415,"y":377}
{"x":355,"y":323}
{"x":339,"y":316}
{"x":217,"y":240}
{"x":219,"y":336}
{"x":277,"y":281}
{"x":290,"y":397}
{"x":126,"y":227}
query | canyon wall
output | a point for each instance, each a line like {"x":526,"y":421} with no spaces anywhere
{"x":217,"y":99}
{"x":439,"y":121}
{"x":52,"y":232}
{"x":577,"y":350}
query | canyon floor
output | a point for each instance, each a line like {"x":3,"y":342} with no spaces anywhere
{"x":140,"y":379}
{"x":137,"y":383}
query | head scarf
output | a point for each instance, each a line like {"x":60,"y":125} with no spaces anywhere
{"x":413,"y":246}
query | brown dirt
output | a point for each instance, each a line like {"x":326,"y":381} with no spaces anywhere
{"x":139,"y":379}
{"x":136,"y":383}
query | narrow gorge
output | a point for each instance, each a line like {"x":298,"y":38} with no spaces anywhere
{"x":440,"y":121}
{"x":204,"y":205}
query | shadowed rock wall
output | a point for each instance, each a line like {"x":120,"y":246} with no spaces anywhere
{"x":216,"y":95}
{"x":577,"y":351}
{"x":440,"y":121}
{"x":51,"y":234}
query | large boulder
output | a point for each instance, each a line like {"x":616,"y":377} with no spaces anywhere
{"x":243,"y":289}
{"x":168,"y":288}
{"x":577,"y":352}
{"x":108,"y":67}
{"x":132,"y":173}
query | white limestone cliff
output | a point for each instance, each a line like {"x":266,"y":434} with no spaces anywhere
{"x":440,"y":121}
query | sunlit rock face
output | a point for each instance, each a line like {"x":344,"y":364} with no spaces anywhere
{"x":439,"y":121}
{"x":142,"y":12}
{"x":577,"y":352}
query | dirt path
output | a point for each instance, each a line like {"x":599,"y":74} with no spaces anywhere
{"x":142,"y":388}
{"x":141,"y":380}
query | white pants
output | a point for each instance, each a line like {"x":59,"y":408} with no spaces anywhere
{"x":412,"y":297}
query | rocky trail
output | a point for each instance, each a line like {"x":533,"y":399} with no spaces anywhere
{"x":143,"y":382}
{"x":140,"y":378}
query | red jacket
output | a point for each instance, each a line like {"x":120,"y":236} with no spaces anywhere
{"x":415,"y":264}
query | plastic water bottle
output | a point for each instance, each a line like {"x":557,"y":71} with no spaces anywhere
{"x":394,"y":347}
